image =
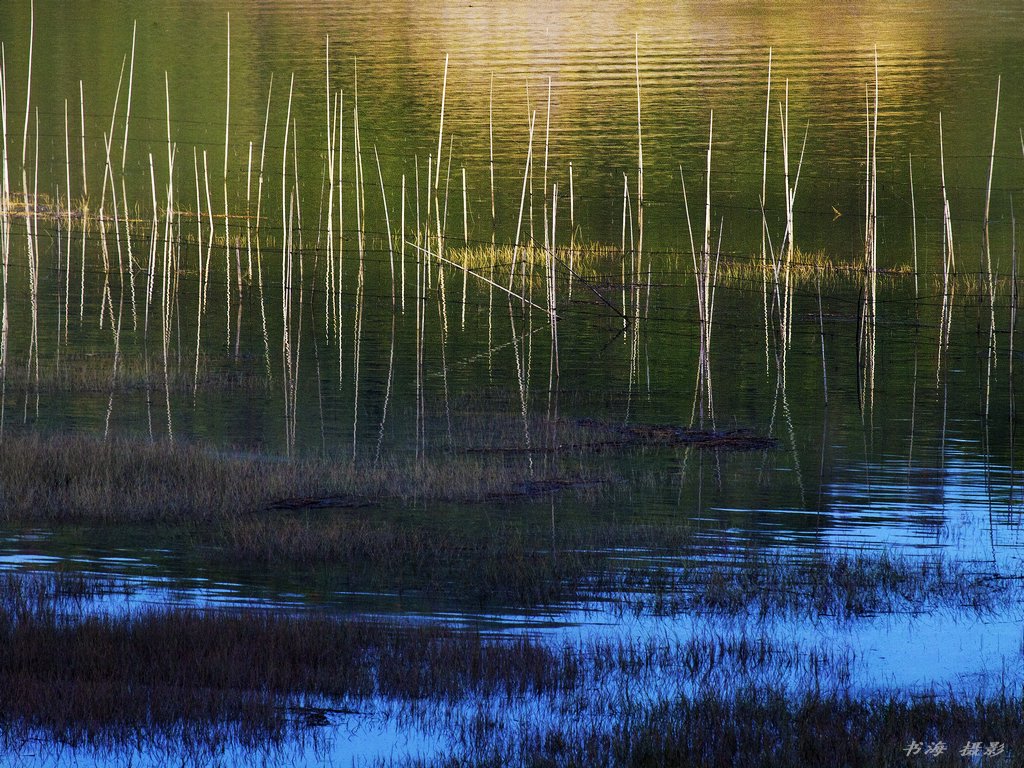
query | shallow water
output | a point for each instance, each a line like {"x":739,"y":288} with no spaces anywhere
{"x":910,"y":447}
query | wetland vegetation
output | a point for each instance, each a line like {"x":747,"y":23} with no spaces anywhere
{"x":502,"y":402}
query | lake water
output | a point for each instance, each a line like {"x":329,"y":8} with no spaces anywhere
{"x":896,"y":429}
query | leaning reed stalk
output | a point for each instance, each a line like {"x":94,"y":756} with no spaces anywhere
{"x":764,"y":224}
{"x":28,"y":84}
{"x":387,"y":222}
{"x":151,"y":270}
{"x":259,"y":246}
{"x":108,"y":137}
{"x":544,"y":183}
{"x":522,"y":203}
{"x":949,"y":262}
{"x":440,"y":128}
{"x":128,"y":110}
{"x":988,"y":200}
{"x":199,"y":298}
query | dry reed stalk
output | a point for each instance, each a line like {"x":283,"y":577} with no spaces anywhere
{"x":131,"y":257}
{"x":67,"y":223}
{"x":227,"y":218}
{"x":572,"y":232}
{"x":387,"y":222}
{"x":199,"y":299}
{"x":28,"y":84}
{"x":640,"y":161}
{"x":522,"y":203}
{"x":625,"y":209}
{"x":151,"y":270}
{"x":552,"y":293}
{"x":544,"y":182}
{"x":402,"y":252}
{"x":81,"y":102}
{"x":988,"y":200}
{"x":332,"y":123}
{"x":387,"y":392}
{"x":440,"y":128}
{"x":764,"y":223}
{"x":465,"y":242}
{"x":5,"y":235}
{"x":490,"y":156}
{"x":787,"y":241}
{"x":1013,"y":293}
{"x":913,"y":216}
{"x":109,"y":137}
{"x":949,"y":260}
{"x":444,"y":260}
{"x":340,"y":269}
{"x":357,"y":335}
{"x":128,"y":110}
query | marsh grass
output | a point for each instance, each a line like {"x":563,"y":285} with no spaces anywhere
{"x":93,"y":373}
{"x":159,"y":678}
{"x":446,"y":527}
{"x":70,"y":478}
{"x":817,"y":585}
{"x":769,"y":728}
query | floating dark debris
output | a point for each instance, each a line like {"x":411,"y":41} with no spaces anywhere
{"x":541,"y":487}
{"x":670,"y":434}
{"x":319,"y":502}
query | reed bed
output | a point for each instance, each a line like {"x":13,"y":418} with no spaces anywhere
{"x":66,"y":478}
{"x":210,"y":679}
{"x":751,"y":727}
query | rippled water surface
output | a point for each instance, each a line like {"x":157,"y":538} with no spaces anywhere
{"x":895,"y":427}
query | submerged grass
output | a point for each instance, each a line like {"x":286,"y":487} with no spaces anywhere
{"x":385,"y":526}
{"x":770,"y":728}
{"x":743,"y":697}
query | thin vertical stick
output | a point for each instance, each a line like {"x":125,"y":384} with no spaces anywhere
{"x":947,"y":228}
{"x":764,"y":226}
{"x":572,"y":231}
{"x":913,"y":216}
{"x":707,"y":203}
{"x":547,"y":140}
{"x":402,"y":236}
{"x":465,"y":241}
{"x":640,"y":158}
{"x":81,"y":101}
{"x":67,"y":269}
{"x":440,"y":129}
{"x":988,"y":192}
{"x":874,"y":189}
{"x":387,"y":221}
{"x":490,"y":137}
{"x":227,"y":219}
